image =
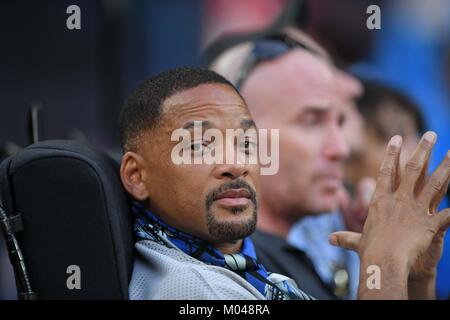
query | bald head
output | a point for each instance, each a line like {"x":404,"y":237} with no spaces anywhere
{"x":295,"y":80}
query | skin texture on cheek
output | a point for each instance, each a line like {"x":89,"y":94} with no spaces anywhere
{"x":175,"y":192}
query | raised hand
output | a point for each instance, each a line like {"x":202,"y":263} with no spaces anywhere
{"x":403,"y":232}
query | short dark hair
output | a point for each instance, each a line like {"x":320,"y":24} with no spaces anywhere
{"x":142,"y":110}
{"x":373,"y":103}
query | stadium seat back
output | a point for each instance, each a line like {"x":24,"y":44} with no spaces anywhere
{"x":77,"y":237}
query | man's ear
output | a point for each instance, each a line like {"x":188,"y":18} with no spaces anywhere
{"x":132,"y":174}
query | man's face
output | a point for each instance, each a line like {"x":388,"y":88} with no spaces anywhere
{"x":215,"y":202}
{"x":299,"y":94}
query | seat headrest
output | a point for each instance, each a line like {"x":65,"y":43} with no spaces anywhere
{"x":75,"y":213}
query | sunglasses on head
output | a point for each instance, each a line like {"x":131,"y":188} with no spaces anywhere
{"x":267,"y":48}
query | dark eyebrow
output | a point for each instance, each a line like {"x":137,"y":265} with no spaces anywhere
{"x":245,"y":123}
{"x":248,"y":123}
{"x":205,"y":124}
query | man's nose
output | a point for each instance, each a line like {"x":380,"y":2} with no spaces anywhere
{"x":234,"y":165}
{"x":230,"y":171}
{"x":336,"y":147}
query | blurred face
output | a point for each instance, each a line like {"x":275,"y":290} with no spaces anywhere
{"x":298,"y":94}
{"x":395,"y":121}
{"x":349,"y":89}
{"x":215,"y":202}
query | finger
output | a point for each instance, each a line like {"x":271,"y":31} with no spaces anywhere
{"x":440,"y":196}
{"x":396,"y":177}
{"x":437,"y":200}
{"x":422,"y":179}
{"x":436,"y":186}
{"x":416,"y":164}
{"x":345,"y":239}
{"x":442,"y":220}
{"x":389,"y":166}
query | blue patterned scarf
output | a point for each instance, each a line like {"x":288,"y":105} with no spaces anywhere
{"x":271,"y":285}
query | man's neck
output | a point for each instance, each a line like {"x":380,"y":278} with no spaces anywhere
{"x":229,"y":247}
{"x":273,"y":223}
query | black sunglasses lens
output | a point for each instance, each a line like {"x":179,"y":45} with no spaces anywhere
{"x":268,"y":49}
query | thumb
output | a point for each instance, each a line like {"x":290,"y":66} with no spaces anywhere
{"x":345,"y":239}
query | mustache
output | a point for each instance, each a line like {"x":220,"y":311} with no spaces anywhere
{"x":238,"y":184}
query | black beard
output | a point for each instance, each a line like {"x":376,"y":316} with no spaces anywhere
{"x":226,"y":231}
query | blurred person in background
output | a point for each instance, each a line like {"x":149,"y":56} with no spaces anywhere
{"x":382,"y":113}
{"x":290,"y":84}
{"x":386,"y":112}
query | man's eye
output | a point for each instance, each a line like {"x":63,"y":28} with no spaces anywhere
{"x":248,"y":145}
{"x":198,"y":147}
{"x":310,"y":119}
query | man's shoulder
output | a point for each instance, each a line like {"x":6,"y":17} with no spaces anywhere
{"x":166,"y":273}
